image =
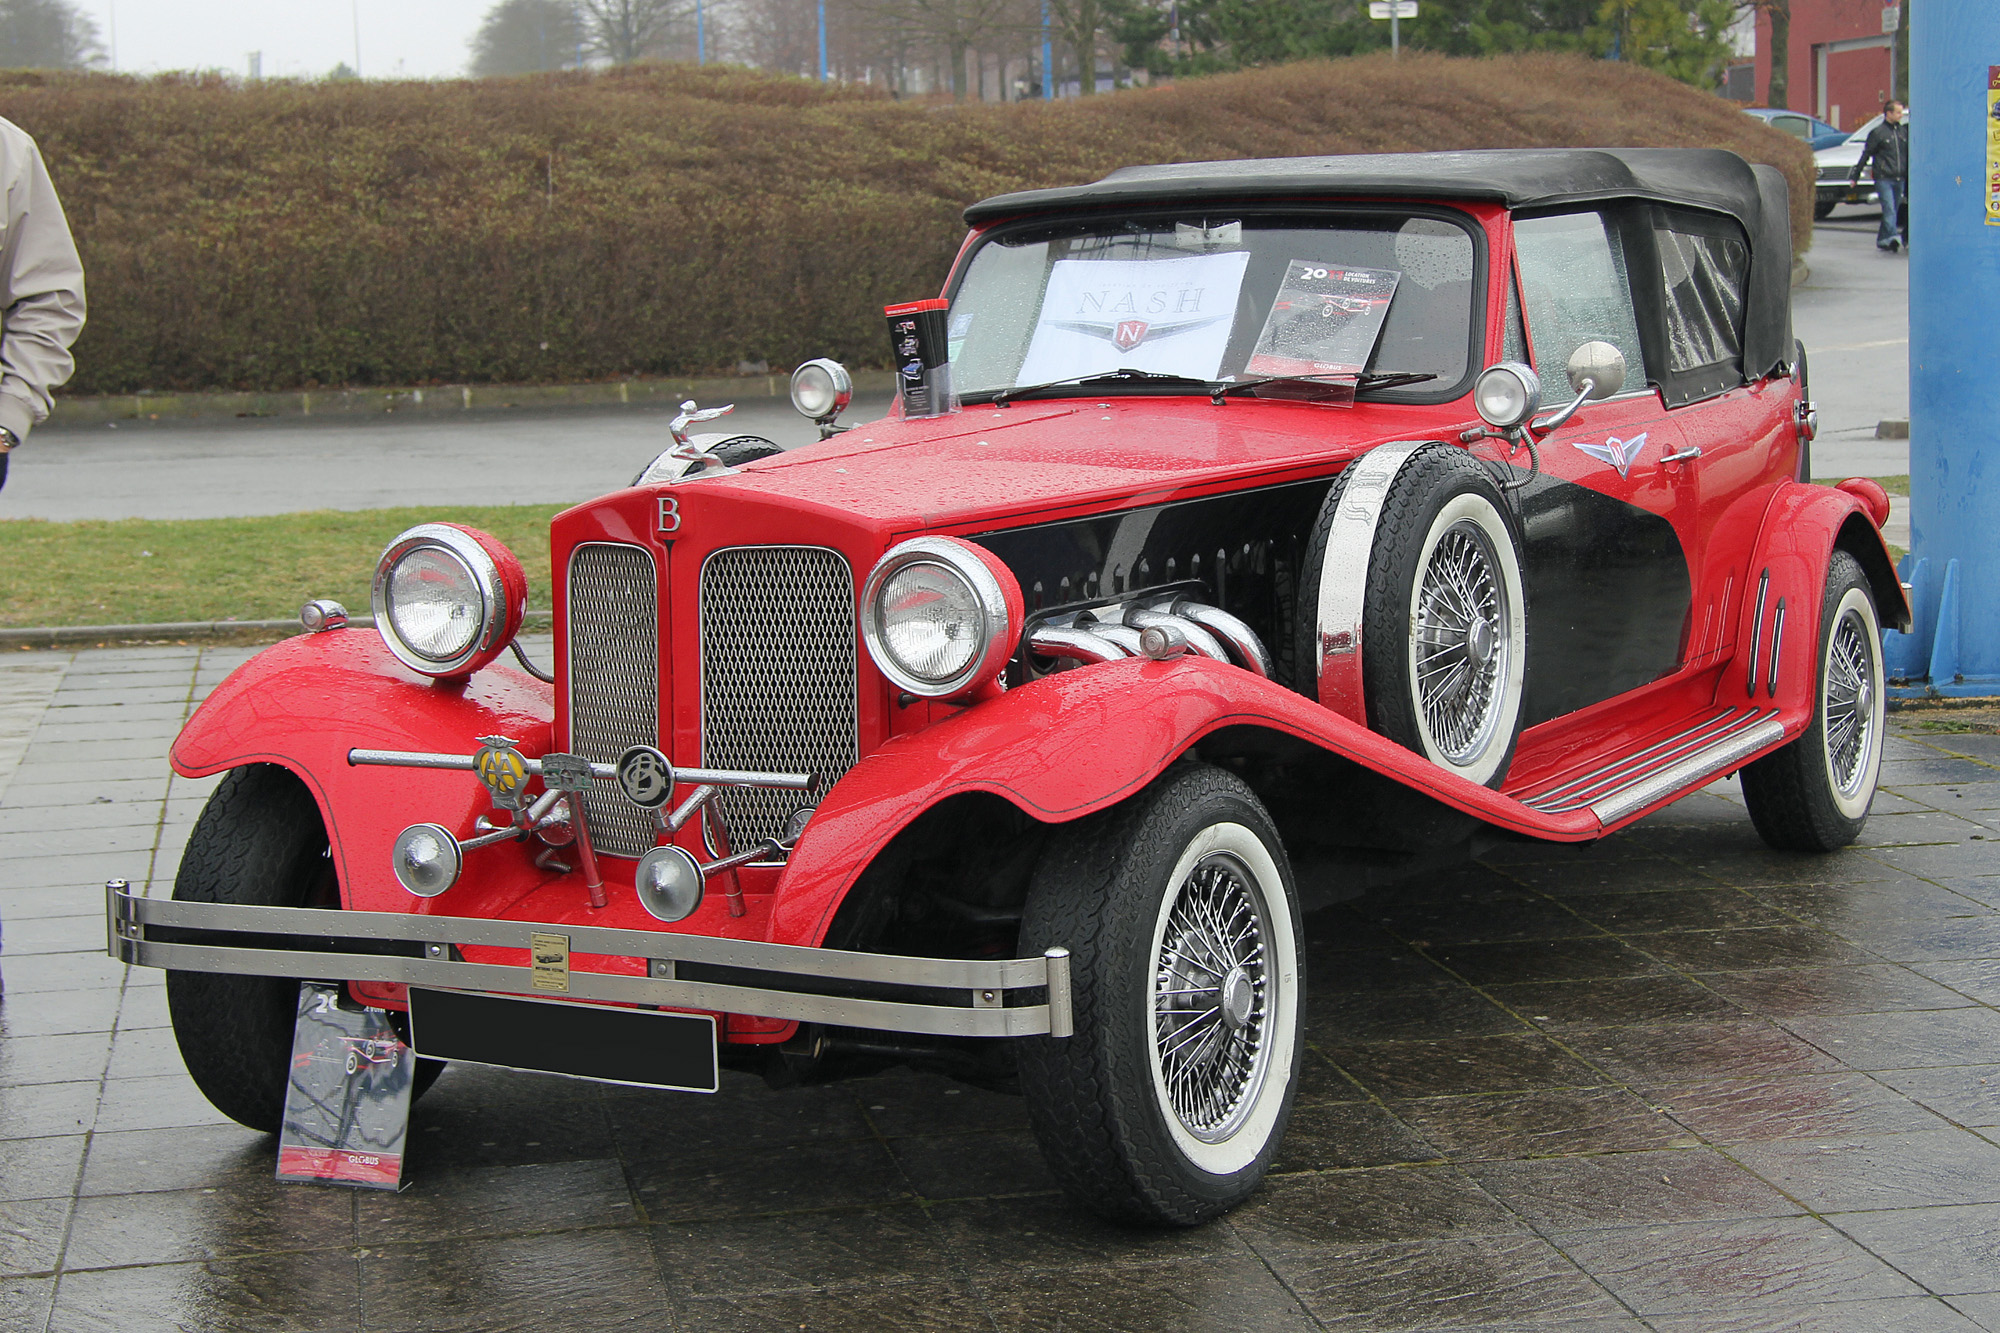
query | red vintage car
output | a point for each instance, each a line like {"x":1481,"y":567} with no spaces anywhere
{"x":1249,"y":569}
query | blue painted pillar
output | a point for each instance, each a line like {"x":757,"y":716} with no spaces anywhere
{"x":700,"y":35}
{"x":1954,"y":562}
{"x":822,"y":41}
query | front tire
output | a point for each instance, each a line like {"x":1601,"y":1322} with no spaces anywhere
{"x":1168,"y":1104}
{"x":1823,"y":209}
{"x":1813,"y":795}
{"x":259,"y":842}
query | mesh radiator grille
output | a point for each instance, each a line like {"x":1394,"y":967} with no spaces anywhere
{"x":614,"y":680}
{"x":778,"y":676}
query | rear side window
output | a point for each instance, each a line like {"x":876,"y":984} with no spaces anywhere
{"x":1575,"y":286}
{"x":1703,"y":276}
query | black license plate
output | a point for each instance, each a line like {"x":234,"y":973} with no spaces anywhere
{"x":610,"y":1045}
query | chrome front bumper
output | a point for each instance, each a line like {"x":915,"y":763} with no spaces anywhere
{"x":951,"y":997}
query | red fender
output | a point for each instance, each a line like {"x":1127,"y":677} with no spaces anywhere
{"x":306,"y":702}
{"x":1802,"y":526}
{"x":1077,"y":742}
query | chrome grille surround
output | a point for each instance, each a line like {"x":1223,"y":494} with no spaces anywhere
{"x":614,"y":680}
{"x":779,"y":676}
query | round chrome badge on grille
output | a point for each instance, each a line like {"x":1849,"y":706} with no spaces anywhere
{"x":645,"y":777}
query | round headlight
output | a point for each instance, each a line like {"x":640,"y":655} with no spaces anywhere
{"x":822,"y":389}
{"x":1507,"y":394}
{"x":939,"y":616}
{"x":448,"y":599}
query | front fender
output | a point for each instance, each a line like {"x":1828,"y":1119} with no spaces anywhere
{"x":1802,"y":528}
{"x":306,"y":702}
{"x":1077,"y":742}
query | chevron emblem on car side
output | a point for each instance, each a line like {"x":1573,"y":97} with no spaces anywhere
{"x":1621,"y":454}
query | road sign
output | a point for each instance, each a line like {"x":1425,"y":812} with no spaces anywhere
{"x":1381,"y":9}
{"x":1892,"y":17}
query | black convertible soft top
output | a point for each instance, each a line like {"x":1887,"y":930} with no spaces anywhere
{"x":1707,"y":178}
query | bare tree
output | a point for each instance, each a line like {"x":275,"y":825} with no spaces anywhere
{"x":952,"y":27}
{"x":623,"y":31}
{"x":47,"y":34}
{"x":1078,"y":23}
{"x":1779,"y":12}
{"x":524,"y":36}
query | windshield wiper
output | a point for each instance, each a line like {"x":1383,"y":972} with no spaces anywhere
{"x":1381,"y":379}
{"x":1123,"y":375}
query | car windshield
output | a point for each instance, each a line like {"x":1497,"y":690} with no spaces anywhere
{"x":1215,"y":297}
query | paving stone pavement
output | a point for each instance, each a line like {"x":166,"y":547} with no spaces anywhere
{"x":1673,"y":1081}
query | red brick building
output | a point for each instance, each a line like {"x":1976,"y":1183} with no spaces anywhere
{"x":1842,"y":63}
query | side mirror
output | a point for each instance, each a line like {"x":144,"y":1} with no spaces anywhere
{"x":1596,"y":370}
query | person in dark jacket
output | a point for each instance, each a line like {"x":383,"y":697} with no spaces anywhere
{"x":1888,"y":147}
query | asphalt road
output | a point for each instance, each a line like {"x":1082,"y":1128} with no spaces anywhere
{"x":1853,"y":315}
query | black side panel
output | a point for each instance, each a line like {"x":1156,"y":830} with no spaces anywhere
{"x":1608,"y":596}
{"x":1246,"y":547}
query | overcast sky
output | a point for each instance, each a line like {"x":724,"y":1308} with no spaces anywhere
{"x":407,"y":38}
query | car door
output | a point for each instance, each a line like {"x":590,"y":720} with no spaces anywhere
{"x":1741,"y":439}
{"x":1606,"y":520}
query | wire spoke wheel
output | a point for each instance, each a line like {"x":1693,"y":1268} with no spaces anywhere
{"x":1813,"y":793}
{"x":1210,"y":1008}
{"x":1168,"y":1102}
{"x":1850,"y":705}
{"x":1459,"y":640}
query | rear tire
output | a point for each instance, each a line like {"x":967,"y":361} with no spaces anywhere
{"x":259,"y":842}
{"x":1823,"y":211}
{"x":1168,"y":1104}
{"x":1813,"y":795}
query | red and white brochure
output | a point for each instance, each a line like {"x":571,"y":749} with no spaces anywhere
{"x":347,"y":1108}
{"x":1324,"y":321}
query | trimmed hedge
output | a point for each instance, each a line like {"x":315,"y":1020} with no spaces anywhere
{"x":667,"y":219}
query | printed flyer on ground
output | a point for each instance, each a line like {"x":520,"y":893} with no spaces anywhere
{"x":1325,"y":321}
{"x":1169,"y":316}
{"x":347,"y":1110}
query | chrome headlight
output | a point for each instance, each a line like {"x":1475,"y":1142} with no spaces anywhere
{"x":939,"y":616}
{"x":1506,"y":395}
{"x":821,"y":390}
{"x":448,"y":599}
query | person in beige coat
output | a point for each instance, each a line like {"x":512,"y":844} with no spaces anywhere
{"x":41,"y":290}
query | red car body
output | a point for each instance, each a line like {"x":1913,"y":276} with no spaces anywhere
{"x":1664,"y":655}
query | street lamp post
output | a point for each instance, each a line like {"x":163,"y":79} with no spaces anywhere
{"x":1953,"y":569}
{"x":822,"y":41}
{"x":700,"y":34}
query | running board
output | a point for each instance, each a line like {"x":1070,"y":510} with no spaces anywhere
{"x":1715,"y":744}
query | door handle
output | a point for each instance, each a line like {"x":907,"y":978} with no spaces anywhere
{"x":1686,"y":455}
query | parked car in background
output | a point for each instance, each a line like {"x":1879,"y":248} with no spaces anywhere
{"x":1011,"y":742}
{"x":1816,"y":132}
{"x":1833,"y":166}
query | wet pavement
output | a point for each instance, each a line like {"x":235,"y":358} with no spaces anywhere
{"x":1674,"y":1082}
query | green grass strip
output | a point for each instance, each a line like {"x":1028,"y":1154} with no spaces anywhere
{"x":150,"y":571}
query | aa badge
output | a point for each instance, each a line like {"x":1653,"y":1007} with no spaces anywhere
{"x":503,"y":770}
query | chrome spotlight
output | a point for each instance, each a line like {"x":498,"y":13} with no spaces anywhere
{"x":1507,"y":394}
{"x":669,"y":883}
{"x":427,"y":859}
